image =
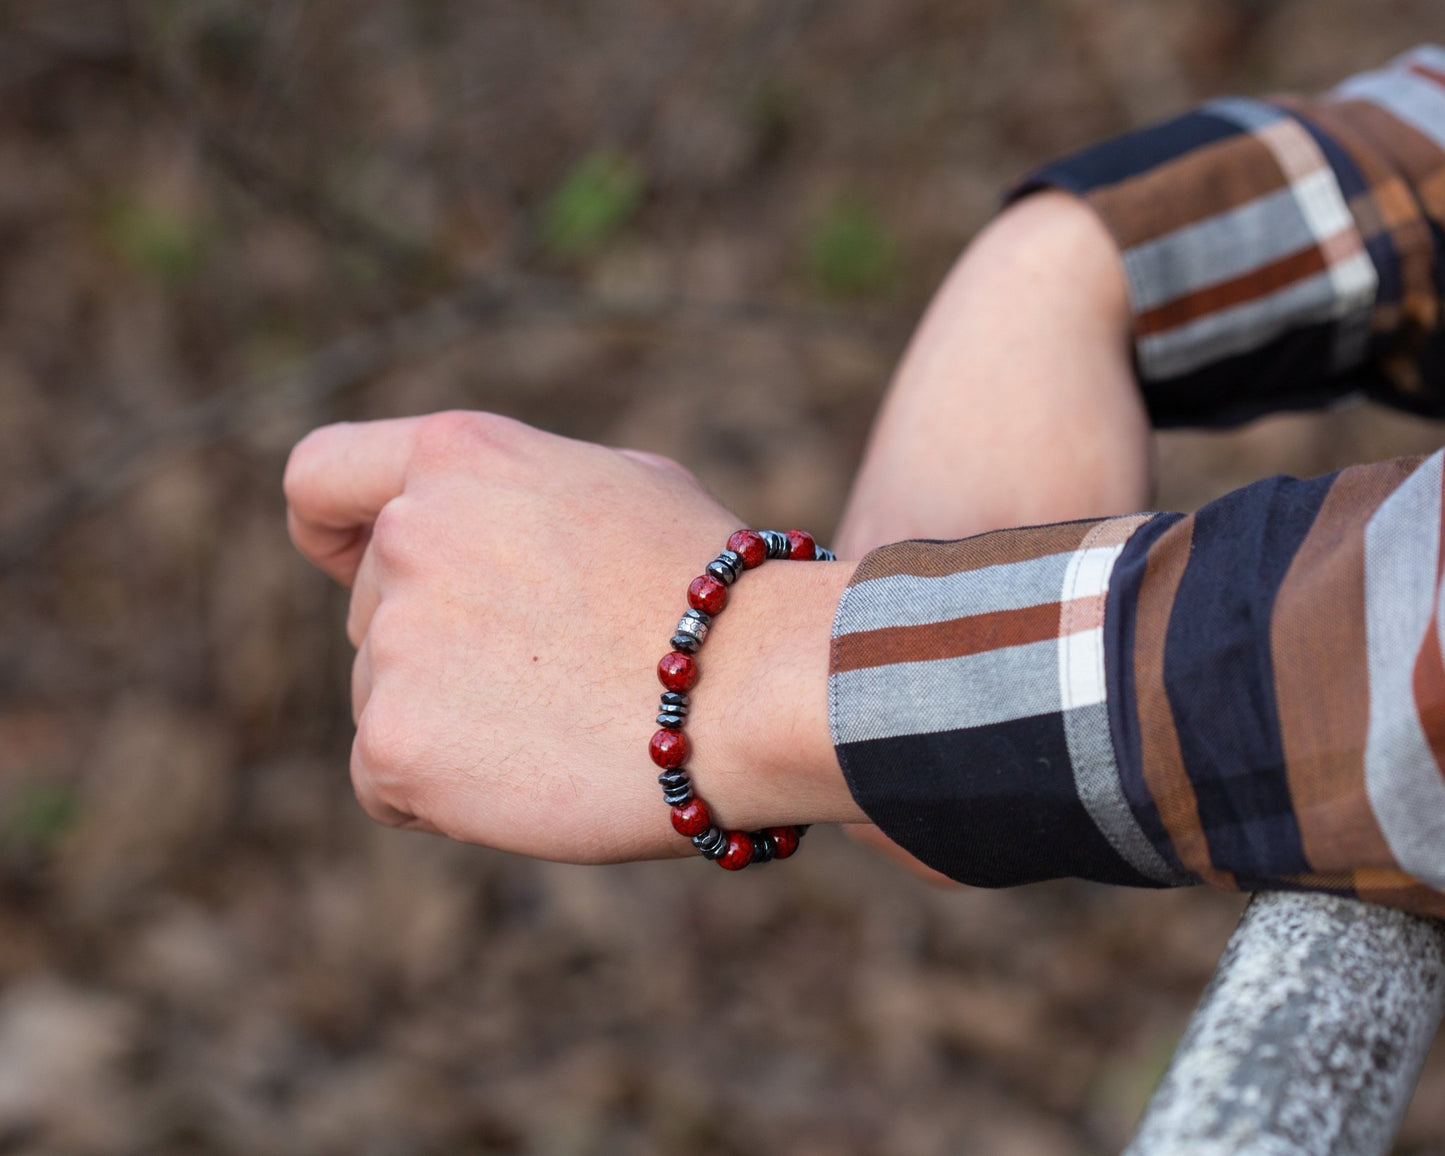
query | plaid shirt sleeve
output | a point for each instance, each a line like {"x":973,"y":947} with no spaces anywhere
{"x":1253,"y":695}
{"x":1282,"y":252}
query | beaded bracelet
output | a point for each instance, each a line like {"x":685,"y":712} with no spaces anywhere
{"x":678,"y":673}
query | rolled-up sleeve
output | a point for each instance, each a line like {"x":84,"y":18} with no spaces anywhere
{"x":1282,"y":252}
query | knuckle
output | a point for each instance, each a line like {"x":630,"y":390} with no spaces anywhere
{"x":395,"y":537}
{"x":380,"y":757}
{"x":389,"y":641}
{"x":453,"y":434}
{"x":666,"y":464}
{"x":372,"y":804}
{"x":383,"y":747}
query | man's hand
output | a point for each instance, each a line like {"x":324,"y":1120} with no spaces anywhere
{"x":511,"y":593}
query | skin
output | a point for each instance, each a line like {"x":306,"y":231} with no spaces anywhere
{"x":508,"y":617}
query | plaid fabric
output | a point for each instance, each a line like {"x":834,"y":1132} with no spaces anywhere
{"x":1283,"y":252}
{"x":1250,"y":696}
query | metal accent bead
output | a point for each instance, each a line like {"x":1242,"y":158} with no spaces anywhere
{"x":672,"y":722}
{"x":712,"y":843}
{"x":777,"y":543}
{"x":726,"y":567}
{"x":675,"y":702}
{"x":670,"y":779}
{"x":677,"y":796}
{"x":692,"y":626}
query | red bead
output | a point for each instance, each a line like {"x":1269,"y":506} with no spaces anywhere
{"x":692,"y":818}
{"x":707,"y":594}
{"x":801,"y":547}
{"x":668,"y":749}
{"x":750,"y":545}
{"x":677,"y":671}
{"x":785,"y":840}
{"x":739,"y":853}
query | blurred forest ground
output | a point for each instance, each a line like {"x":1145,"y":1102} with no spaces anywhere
{"x":703,"y":229}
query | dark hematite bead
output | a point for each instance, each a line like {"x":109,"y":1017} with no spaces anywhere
{"x":670,"y":779}
{"x":763,"y":847}
{"x":672,"y":722}
{"x":677,"y":796}
{"x":675,"y":702}
{"x":684,"y":642}
{"x":777,"y":543}
{"x":826,"y":555}
{"x":725,"y":567}
{"x":712,"y":843}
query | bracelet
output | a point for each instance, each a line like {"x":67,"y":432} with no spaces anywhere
{"x":678,"y":672}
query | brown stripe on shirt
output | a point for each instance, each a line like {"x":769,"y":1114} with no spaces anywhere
{"x":1428,"y":685}
{"x":1414,"y":154}
{"x":1259,"y":282}
{"x":954,"y":638}
{"x":1318,"y":625}
{"x":1425,"y":72}
{"x":924,"y":559}
{"x":1201,"y":184}
{"x":1163,"y":761}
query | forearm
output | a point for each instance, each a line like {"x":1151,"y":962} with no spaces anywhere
{"x":1016,"y":402}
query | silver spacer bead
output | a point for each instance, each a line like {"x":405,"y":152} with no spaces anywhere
{"x":777,"y":543}
{"x":694,"y":624}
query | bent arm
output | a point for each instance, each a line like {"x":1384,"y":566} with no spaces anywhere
{"x":1246,"y":256}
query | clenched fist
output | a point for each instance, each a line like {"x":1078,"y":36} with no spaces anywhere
{"x":511,"y":593}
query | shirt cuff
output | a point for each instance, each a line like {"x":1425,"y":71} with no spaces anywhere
{"x":968,"y":704}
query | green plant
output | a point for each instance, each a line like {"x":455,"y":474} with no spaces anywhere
{"x":40,"y":813}
{"x":851,"y":252}
{"x":598,"y":196}
{"x":155,"y":241}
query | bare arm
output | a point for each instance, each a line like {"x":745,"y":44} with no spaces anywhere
{"x":1016,"y":402}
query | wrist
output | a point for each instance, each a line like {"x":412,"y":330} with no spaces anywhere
{"x":763,"y":752}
